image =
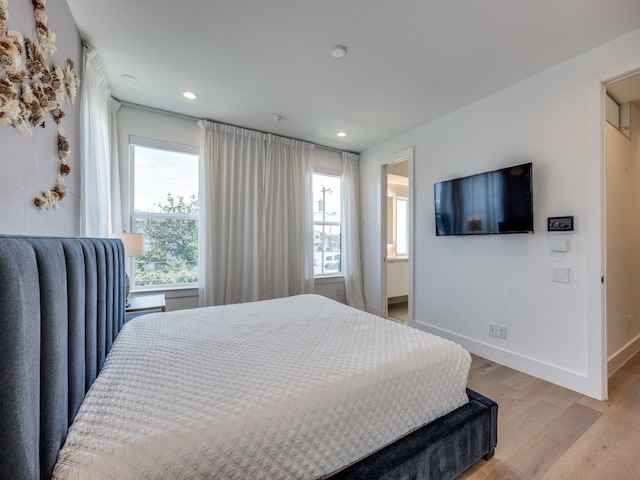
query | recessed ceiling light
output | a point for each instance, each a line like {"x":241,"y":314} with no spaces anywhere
{"x":189,"y":95}
{"x":131,"y":78}
{"x":339,"y":51}
{"x":342,"y":134}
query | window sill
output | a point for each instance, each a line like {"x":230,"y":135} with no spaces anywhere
{"x":329,"y":279}
{"x":169,"y":291}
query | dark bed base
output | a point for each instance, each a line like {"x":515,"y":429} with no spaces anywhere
{"x":440,"y":450}
{"x":61,"y":307}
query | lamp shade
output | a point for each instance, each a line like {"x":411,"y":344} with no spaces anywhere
{"x":133,"y":243}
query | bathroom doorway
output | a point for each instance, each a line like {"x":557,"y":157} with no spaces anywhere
{"x":622,"y":203}
{"x":397,"y":234}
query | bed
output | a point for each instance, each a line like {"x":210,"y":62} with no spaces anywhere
{"x":302,"y":387}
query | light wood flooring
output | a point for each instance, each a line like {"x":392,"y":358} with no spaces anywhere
{"x":548,"y":432}
{"x":399,"y":312}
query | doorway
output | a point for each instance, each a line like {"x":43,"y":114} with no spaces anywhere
{"x":397,"y":229}
{"x":622,"y":208}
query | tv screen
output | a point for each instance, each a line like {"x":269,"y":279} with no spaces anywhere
{"x":493,"y":202}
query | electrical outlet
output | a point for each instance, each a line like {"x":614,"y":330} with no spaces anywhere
{"x":493,"y":330}
{"x":502,"y":331}
{"x":560,"y":274}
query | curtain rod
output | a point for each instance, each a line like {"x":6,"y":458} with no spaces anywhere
{"x":197,"y":119}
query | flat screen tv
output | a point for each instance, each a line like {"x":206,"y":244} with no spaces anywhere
{"x":500,"y":201}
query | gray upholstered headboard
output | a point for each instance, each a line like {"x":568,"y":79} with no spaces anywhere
{"x":61,"y":308}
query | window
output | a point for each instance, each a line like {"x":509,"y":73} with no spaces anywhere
{"x":402,"y":227}
{"x":327,"y":226}
{"x":165,"y":209}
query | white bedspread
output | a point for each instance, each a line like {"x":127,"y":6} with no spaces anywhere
{"x":287,"y":388}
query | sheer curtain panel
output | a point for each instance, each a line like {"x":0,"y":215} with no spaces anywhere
{"x":100,"y":206}
{"x":255,"y":216}
{"x":288,"y":222}
{"x":351,"y":265}
{"x":231,"y":219}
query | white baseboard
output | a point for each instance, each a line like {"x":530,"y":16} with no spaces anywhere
{"x":576,"y":381}
{"x":619,"y":358}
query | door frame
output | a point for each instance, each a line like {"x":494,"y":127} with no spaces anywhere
{"x":611,"y":364}
{"x":406,"y":154}
{"x":597,"y":351}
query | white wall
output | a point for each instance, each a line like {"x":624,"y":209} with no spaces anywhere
{"x":29,"y":164}
{"x":623,"y":242}
{"x":461,"y":284}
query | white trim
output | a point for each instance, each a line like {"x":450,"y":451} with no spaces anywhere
{"x":570,"y":379}
{"x":181,"y":291}
{"x":383,"y":307}
{"x":330,"y":223}
{"x":595,"y":245}
{"x":621,"y":356}
{"x":327,"y":171}
{"x":595,"y":383}
{"x":329,"y":279}
{"x":163,"y":145}
{"x":406,"y":154}
{"x":145,"y":142}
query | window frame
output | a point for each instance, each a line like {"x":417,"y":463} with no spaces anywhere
{"x":167,"y":146}
{"x":326,"y":223}
{"x":405,"y":201}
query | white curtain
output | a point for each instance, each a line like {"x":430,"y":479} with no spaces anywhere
{"x":288,"y":222}
{"x":255,"y":225}
{"x":100,"y":207}
{"x":351,"y":233}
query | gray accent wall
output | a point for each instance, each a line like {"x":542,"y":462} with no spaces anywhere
{"x":29,"y":164}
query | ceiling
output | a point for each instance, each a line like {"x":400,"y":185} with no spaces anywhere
{"x":407,"y":62}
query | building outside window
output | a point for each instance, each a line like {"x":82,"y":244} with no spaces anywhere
{"x":164,"y":179}
{"x":327,"y":225}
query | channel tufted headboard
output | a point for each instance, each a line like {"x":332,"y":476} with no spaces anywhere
{"x":61,"y":308}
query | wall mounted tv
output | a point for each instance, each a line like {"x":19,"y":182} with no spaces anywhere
{"x":500,"y":201}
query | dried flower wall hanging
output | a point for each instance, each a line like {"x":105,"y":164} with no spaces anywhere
{"x":30,"y":88}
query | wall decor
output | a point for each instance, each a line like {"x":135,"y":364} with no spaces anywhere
{"x":560,"y":224}
{"x":30,"y":89}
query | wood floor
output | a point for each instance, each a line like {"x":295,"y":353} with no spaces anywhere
{"x":548,"y":432}
{"x":399,"y":312}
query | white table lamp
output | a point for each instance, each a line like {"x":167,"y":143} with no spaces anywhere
{"x":133,"y":247}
